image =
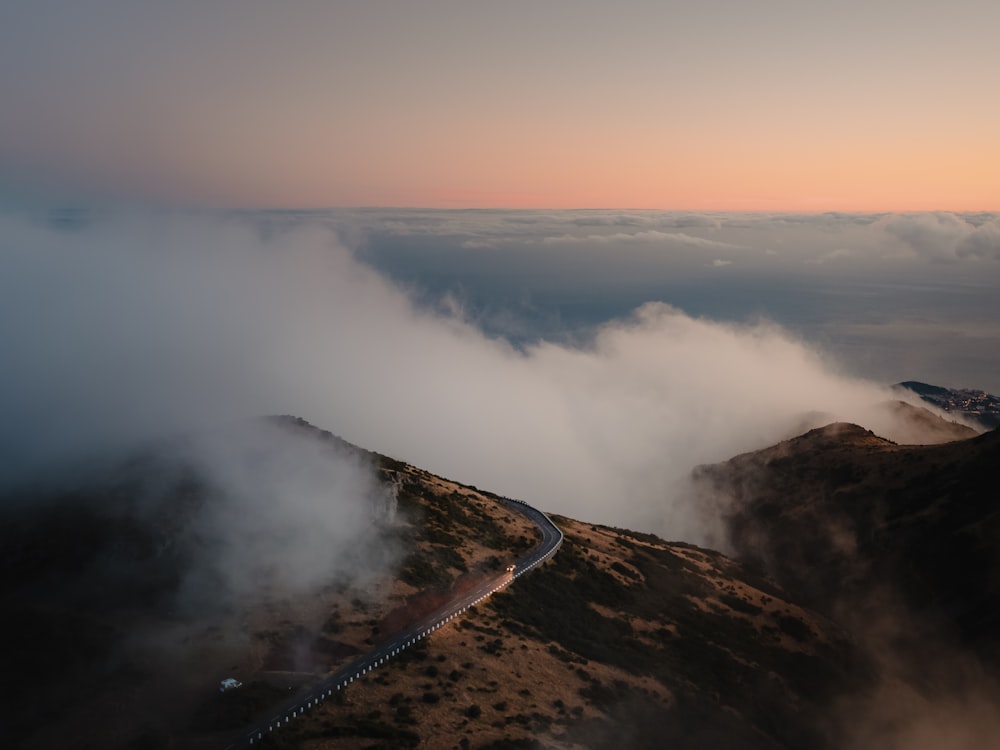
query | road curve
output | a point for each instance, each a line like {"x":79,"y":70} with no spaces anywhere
{"x":552,"y":538}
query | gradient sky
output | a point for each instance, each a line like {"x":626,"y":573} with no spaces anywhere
{"x":707,"y":105}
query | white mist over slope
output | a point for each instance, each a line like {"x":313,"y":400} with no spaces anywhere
{"x":145,"y":324}
{"x":286,"y":513}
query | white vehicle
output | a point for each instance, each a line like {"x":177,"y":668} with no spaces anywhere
{"x":510,"y":568}
{"x":229,"y":683}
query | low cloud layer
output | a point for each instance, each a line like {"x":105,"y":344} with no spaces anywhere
{"x":847,"y":281}
{"x":125,"y":326}
{"x":947,"y":236}
{"x":649,"y":236}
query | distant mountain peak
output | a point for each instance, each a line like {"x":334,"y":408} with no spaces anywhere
{"x":924,"y":388}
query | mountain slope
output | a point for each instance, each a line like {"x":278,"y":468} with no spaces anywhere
{"x":836,"y":510}
{"x":898,"y":544}
{"x":621,"y":638}
{"x":621,"y":635}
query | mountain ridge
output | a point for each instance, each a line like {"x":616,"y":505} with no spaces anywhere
{"x":621,"y":637}
{"x":575,"y":652}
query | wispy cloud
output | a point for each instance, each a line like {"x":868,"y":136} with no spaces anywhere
{"x":840,"y":252}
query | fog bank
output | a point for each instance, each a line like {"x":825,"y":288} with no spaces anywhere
{"x":141,"y":324}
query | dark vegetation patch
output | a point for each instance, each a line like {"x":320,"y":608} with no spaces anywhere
{"x":740,"y":605}
{"x":359,"y":728}
{"x":716,"y":658}
{"x":447,"y":520}
{"x":236,"y":708}
{"x":520,"y":743}
{"x":605,"y":696}
{"x":422,"y":570}
{"x":794,"y":627}
{"x":444,"y":522}
{"x":624,"y":570}
{"x":301,"y":650}
{"x":916,"y":519}
{"x":79,"y":566}
{"x":415,"y":654}
{"x":555,"y":606}
{"x":639,"y":722}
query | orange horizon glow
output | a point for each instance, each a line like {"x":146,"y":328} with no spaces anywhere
{"x":812,"y":199}
{"x":805,"y":182}
{"x":543,"y":169}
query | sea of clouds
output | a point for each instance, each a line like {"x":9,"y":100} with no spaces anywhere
{"x":125,"y":326}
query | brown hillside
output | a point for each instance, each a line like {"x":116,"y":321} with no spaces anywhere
{"x":621,"y":639}
{"x":838,"y":513}
{"x":620,"y":635}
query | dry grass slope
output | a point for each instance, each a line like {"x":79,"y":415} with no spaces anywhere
{"x":621,"y":640}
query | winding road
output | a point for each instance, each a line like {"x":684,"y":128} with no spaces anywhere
{"x":552,"y":538}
